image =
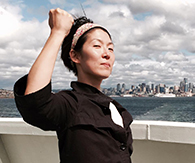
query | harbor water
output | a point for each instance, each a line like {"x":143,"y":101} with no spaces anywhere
{"x":180,"y":109}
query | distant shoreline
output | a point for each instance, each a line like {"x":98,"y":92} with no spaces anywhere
{"x":6,"y":97}
{"x":9,"y":94}
{"x":6,"y":93}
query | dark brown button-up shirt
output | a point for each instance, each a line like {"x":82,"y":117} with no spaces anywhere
{"x":81,"y":117}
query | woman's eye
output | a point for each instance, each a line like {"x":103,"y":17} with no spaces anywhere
{"x":111,"y":49}
{"x":97,"y":46}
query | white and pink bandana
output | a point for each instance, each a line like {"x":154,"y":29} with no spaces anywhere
{"x":81,"y":30}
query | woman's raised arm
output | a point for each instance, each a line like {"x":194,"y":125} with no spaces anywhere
{"x":40,"y":73}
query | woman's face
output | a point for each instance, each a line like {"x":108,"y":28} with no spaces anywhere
{"x":97,"y":55}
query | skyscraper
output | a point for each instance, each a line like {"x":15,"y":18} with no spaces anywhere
{"x":190,"y":85}
{"x":162,"y":88}
{"x":158,"y":89}
{"x":152,"y":87}
{"x":185,"y":85}
{"x":123,"y":86}
{"x":118,"y":87}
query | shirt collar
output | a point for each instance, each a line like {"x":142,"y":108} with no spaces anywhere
{"x":84,"y":88}
{"x":92,"y":93}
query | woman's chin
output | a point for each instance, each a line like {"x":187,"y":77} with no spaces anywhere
{"x":105,"y":75}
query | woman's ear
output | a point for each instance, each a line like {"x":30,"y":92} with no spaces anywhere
{"x":74,"y":56}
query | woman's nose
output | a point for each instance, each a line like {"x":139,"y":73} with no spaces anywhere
{"x":106,"y":54}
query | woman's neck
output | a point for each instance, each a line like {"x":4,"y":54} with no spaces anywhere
{"x":90,"y":81}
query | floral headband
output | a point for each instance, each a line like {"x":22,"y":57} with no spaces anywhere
{"x":81,"y":30}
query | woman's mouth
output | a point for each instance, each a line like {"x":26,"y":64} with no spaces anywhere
{"x":106,"y":64}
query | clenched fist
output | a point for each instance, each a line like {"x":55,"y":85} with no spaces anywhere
{"x":60,"y":21}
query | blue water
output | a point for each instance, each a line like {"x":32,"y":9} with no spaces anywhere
{"x":180,"y":109}
{"x":8,"y":108}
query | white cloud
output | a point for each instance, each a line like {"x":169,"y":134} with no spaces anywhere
{"x":172,"y":57}
{"x":58,"y":2}
{"x":9,"y":23}
{"x":147,"y":49}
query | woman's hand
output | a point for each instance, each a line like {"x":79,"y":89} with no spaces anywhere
{"x":60,"y":21}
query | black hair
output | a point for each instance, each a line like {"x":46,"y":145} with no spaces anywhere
{"x":66,"y":45}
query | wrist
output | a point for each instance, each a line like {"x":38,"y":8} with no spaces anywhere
{"x":58,"y":34}
{"x":55,"y":38}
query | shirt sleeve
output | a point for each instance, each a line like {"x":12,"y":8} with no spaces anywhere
{"x":42,"y":109}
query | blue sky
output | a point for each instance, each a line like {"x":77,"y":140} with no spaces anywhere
{"x":154,"y":40}
{"x":142,"y":16}
{"x":39,"y":8}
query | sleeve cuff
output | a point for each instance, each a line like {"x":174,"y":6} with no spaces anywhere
{"x":31,"y":100}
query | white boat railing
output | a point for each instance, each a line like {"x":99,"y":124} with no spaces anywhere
{"x":154,"y":142}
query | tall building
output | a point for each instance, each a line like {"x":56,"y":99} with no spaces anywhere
{"x":185,"y":85}
{"x":157,"y":89}
{"x":148,"y":88}
{"x":190,"y":85}
{"x":132,"y":88}
{"x":118,"y":87}
{"x":181,"y":86}
{"x":152,"y":87}
{"x":162,"y":88}
{"x":143,"y":87}
{"x":124,"y":86}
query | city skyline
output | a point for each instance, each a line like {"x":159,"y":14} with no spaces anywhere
{"x":130,"y":85}
{"x":184,"y":89}
{"x":154,"y":43}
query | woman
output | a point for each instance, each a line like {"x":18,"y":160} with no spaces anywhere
{"x":83,"y":118}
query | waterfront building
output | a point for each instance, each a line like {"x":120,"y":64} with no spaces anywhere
{"x":171,"y":89}
{"x":152,"y":87}
{"x":157,"y":89}
{"x":190,"y":85}
{"x":122,"y":90}
{"x":143,"y":87}
{"x":114,"y":90}
{"x":105,"y":90}
{"x":162,"y":88}
{"x":166,"y":90}
{"x":118,"y":87}
{"x":148,"y":89}
{"x":185,"y":85}
{"x":124,"y":86}
{"x":181,"y":86}
{"x":132,"y":87}
{"x":175,"y":89}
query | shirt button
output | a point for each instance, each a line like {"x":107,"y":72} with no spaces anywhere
{"x":123,"y":146}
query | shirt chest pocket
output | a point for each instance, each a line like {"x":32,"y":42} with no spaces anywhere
{"x":99,"y":128}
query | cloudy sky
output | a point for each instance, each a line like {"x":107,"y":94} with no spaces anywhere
{"x":154,"y":39}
